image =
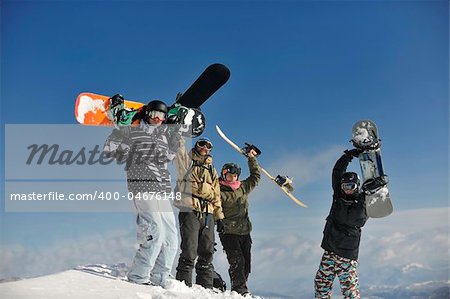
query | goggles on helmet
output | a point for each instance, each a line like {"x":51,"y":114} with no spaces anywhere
{"x":204,"y":144}
{"x":351,"y":186}
{"x":232,"y":170}
{"x":156,"y":114}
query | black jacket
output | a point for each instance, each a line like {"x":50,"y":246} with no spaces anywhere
{"x":342,"y":231}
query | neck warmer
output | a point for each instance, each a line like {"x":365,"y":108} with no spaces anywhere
{"x":233,"y":185}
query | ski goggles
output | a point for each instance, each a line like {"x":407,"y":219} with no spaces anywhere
{"x":156,"y":114}
{"x":349,"y":186}
{"x":204,"y":144}
{"x":232,"y":169}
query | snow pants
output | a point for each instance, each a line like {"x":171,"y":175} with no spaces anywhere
{"x":238,"y":250}
{"x":158,"y":242}
{"x":197,"y":240}
{"x":333,"y":265}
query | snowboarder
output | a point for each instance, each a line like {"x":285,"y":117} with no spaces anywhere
{"x":147,"y":148}
{"x":235,"y":234}
{"x":200,"y":206}
{"x":342,"y":232}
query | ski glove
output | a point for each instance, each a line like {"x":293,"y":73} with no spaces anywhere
{"x":353,"y":152}
{"x":116,"y":134}
{"x":116,"y":145}
{"x":220,"y":226}
{"x":173,"y":139}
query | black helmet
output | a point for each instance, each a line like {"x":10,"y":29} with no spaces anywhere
{"x":156,"y":105}
{"x":350,"y":177}
{"x":230,"y":168}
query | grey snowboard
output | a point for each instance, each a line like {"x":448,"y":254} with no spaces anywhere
{"x":378,"y":199}
{"x":116,"y":271}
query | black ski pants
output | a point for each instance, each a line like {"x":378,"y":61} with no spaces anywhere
{"x":238,"y":250}
{"x":197,"y":240}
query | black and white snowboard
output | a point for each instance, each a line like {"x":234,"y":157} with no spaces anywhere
{"x":212,"y":78}
{"x":378,"y":200}
{"x":186,"y":109}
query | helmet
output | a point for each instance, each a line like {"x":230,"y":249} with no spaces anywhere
{"x":156,"y":105}
{"x":349,"y":182}
{"x":230,"y":168}
{"x":350,"y":177}
{"x":156,"y":110}
{"x":204,"y":142}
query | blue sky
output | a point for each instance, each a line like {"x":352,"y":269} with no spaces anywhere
{"x":302,"y":72}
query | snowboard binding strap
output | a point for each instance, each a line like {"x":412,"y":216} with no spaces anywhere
{"x":284,"y":181}
{"x":372,"y":186}
{"x":248,"y":147}
{"x":367,"y":145}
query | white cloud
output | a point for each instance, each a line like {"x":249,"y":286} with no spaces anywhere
{"x":415,"y":236}
{"x":412,"y":267}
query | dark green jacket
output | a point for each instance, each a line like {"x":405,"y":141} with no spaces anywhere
{"x":235,"y":203}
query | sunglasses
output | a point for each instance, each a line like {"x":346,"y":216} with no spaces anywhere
{"x":204,"y":144}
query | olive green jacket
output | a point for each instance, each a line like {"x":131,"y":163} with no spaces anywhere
{"x":197,"y":182}
{"x":235,"y":203}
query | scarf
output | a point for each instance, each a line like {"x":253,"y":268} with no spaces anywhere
{"x":233,"y":185}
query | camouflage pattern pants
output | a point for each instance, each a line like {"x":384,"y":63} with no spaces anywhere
{"x":333,"y":265}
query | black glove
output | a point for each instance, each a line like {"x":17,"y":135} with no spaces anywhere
{"x":353,"y":152}
{"x":220,"y":226}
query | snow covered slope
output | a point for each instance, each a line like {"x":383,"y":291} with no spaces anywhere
{"x":79,"y":284}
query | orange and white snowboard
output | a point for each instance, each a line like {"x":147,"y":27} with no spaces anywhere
{"x":93,"y":109}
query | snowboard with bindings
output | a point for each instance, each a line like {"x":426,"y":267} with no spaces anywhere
{"x":374,"y":180}
{"x":95,"y":110}
{"x":116,"y":271}
{"x":98,"y":110}
{"x":283,"y":182}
